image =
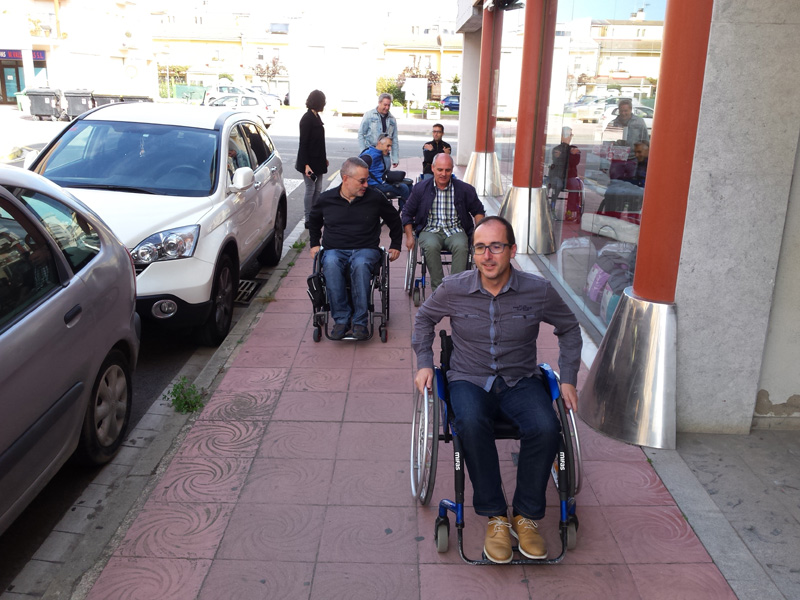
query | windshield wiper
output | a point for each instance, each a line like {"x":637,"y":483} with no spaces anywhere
{"x":115,"y":188}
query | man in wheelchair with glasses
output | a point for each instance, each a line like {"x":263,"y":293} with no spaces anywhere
{"x":495,"y":312}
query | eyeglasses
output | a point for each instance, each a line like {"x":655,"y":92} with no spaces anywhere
{"x":494,"y":248}
{"x":361,"y":181}
{"x":438,"y":131}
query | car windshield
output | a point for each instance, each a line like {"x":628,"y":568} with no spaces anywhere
{"x":137,"y":157}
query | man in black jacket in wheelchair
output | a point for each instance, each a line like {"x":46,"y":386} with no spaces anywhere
{"x":495,"y":314}
{"x":346,"y":221}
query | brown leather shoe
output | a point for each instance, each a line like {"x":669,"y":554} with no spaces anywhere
{"x":531,"y":542}
{"x":497,"y":545}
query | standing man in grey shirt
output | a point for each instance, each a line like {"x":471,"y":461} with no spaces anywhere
{"x":495,"y":314}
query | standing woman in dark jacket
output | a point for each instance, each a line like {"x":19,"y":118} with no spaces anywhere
{"x":312,"y":160}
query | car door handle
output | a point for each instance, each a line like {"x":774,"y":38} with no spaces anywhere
{"x":72,"y":314}
{"x":273,"y":169}
{"x":257,"y":184}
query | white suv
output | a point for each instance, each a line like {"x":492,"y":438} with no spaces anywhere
{"x":196,"y":193}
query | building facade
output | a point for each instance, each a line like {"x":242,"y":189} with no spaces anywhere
{"x":737,"y":281}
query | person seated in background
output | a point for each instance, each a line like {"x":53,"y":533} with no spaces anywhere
{"x":442,"y":212}
{"x":378,"y":170}
{"x":641,"y":151}
{"x":351,"y":216}
{"x":436,"y":146}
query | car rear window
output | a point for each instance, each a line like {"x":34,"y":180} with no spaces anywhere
{"x":136,"y":157}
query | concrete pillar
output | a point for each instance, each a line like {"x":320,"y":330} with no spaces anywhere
{"x":483,"y":170}
{"x":468,"y":113}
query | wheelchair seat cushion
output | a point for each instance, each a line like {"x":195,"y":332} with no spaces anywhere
{"x":395,"y":176}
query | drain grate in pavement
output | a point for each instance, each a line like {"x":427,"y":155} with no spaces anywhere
{"x":248,"y":289}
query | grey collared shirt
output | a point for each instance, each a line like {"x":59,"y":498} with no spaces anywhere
{"x":495,"y":336}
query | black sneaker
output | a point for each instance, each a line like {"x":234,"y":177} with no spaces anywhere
{"x":338,"y":332}
{"x":360,"y":332}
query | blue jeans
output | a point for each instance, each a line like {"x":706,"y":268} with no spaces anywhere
{"x":401,"y":189}
{"x":359,"y":264}
{"x":528,"y":404}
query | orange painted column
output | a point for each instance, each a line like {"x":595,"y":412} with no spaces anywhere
{"x":488,"y":79}
{"x":680,"y":87}
{"x":534,"y":92}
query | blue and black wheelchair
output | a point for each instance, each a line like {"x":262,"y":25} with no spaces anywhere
{"x":321,"y":307}
{"x":432,"y":423}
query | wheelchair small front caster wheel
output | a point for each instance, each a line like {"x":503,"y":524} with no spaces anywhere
{"x":317,"y":334}
{"x":416,"y":296}
{"x":383,"y":334}
{"x":442,"y":536}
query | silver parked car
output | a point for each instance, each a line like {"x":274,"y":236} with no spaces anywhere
{"x":69,"y":336}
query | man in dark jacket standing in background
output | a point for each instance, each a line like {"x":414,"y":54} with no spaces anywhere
{"x":436,"y":146}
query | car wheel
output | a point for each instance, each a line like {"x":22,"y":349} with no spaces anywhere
{"x":271,"y":255}
{"x":108,"y":412}
{"x":223,"y":292}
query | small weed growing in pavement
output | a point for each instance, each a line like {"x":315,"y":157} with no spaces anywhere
{"x":299,"y":245}
{"x":185,"y":397}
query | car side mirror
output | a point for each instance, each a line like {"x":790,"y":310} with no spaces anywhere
{"x":243,"y":179}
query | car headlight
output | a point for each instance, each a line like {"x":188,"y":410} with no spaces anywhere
{"x":167,"y":245}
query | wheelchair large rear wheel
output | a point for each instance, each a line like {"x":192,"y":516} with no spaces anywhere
{"x":424,"y":445}
{"x":411,"y":267}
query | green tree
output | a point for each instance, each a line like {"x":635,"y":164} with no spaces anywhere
{"x":454,"y":88}
{"x":389,"y":85}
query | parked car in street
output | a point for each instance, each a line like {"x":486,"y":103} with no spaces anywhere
{"x":216,"y":91}
{"x":254,"y":103}
{"x":196,"y":193}
{"x":69,"y":336}
{"x":451,"y":103}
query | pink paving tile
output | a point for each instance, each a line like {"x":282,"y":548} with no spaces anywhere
{"x":323,"y":355}
{"x":587,"y":582}
{"x":310,"y":406}
{"x":385,"y":441}
{"x":596,"y":446}
{"x":370,"y":483}
{"x":240,"y":406}
{"x":595,"y":543}
{"x":467,"y":582}
{"x":384,"y":380}
{"x":622,"y":483}
{"x":344,"y":581}
{"x":253,"y":379}
{"x":293,"y":293}
{"x":398,"y":337}
{"x":681,"y":582}
{"x":202,"y":479}
{"x":280,"y":532}
{"x":363,"y":534}
{"x":383,"y":358}
{"x":379,"y":407}
{"x":148,"y":578}
{"x":299,"y":439}
{"x":654,"y":534}
{"x":288,"y":306}
{"x":266,"y":334}
{"x":176,"y":530}
{"x":235,"y":439}
{"x":295,"y":280}
{"x":288,"y":481}
{"x":310,"y":379}
{"x":257,"y":580}
{"x":265,"y":356}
